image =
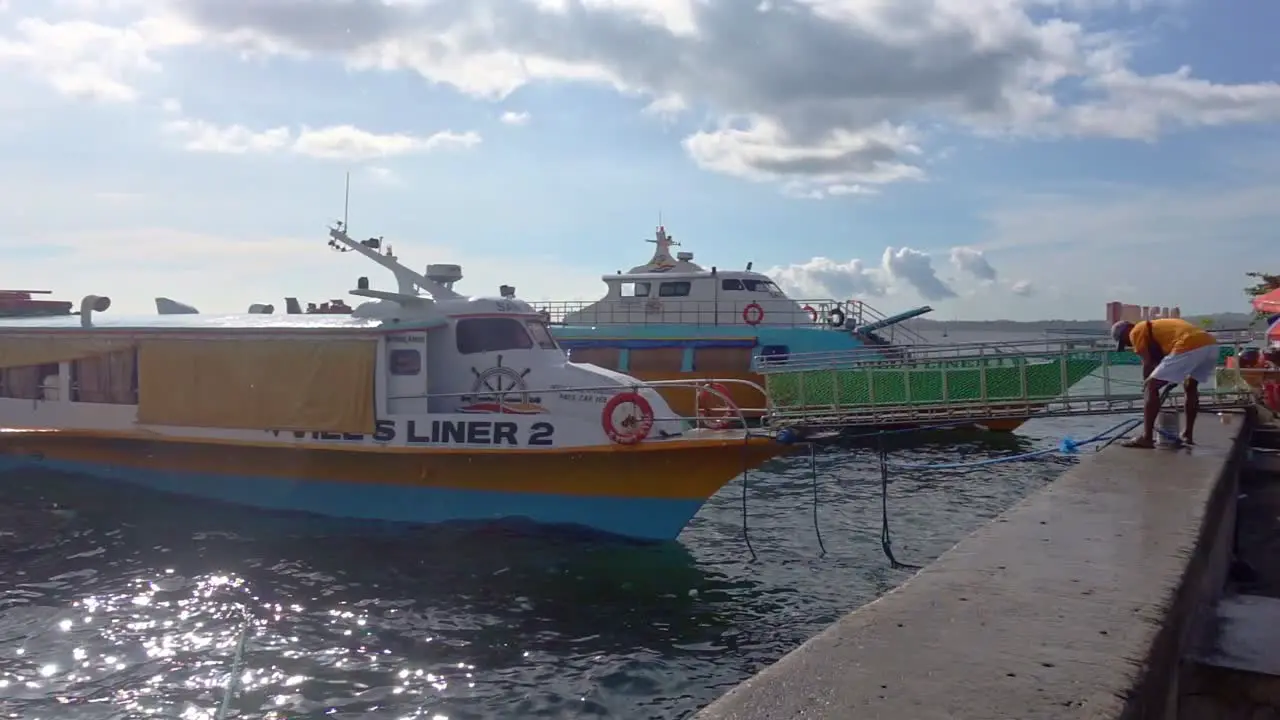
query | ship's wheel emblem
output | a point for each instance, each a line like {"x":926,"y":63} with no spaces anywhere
{"x":501,"y":384}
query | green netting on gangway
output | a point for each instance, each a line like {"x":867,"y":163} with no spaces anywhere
{"x":960,"y":381}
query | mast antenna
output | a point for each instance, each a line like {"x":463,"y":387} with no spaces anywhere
{"x":346,"y":203}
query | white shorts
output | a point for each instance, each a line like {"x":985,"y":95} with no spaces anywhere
{"x":1199,"y":364}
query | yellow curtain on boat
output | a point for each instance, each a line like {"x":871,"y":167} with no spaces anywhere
{"x":315,"y":385}
{"x":24,"y":350}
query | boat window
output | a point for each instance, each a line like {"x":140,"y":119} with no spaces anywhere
{"x":760,"y":286}
{"x":640,"y":289}
{"x":731,"y":284}
{"x":541,"y":335}
{"x":673,"y":289}
{"x":28,"y":382}
{"x":111,"y":378}
{"x":477,"y":335}
{"x":774,"y":354}
{"x":404,"y":361}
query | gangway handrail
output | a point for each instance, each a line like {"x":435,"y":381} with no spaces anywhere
{"x":1006,"y":350}
{"x":860,"y":309}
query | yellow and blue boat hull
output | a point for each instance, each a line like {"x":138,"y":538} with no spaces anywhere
{"x":649,"y":491}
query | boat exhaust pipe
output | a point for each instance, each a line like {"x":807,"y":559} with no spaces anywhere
{"x":91,"y":304}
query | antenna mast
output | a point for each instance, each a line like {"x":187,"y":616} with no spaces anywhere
{"x":346,"y":203}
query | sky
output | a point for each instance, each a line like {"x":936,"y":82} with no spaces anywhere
{"x":1015,"y":159}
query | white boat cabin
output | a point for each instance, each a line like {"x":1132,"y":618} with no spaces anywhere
{"x":676,"y":290}
{"x":441,"y":370}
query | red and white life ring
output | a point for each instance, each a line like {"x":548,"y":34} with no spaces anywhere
{"x":753,"y":314}
{"x":813,"y":314}
{"x":633,"y":428}
{"x":716,"y":410}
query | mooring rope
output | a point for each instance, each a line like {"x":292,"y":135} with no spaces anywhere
{"x":886,"y":540}
{"x":813,"y":473}
{"x":746,"y":480}
{"x":1067,"y":446}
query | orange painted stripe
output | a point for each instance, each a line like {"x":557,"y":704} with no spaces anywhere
{"x":680,"y":471}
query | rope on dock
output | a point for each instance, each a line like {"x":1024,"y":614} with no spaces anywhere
{"x":1066,"y":447}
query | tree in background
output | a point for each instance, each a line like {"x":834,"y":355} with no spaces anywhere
{"x":1206,"y":323}
{"x":1266,"y":283}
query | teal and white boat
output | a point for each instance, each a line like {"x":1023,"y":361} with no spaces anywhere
{"x":670,"y":318}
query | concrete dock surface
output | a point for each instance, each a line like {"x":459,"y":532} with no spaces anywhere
{"x":1076,"y":603}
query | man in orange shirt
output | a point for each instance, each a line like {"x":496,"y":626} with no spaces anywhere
{"x":1172,"y":351}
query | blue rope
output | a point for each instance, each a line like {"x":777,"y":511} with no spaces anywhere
{"x":1066,"y":447}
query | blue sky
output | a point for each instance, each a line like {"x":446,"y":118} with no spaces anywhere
{"x":1017,"y":159}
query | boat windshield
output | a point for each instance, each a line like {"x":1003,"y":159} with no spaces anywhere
{"x":492,"y":334}
{"x":760,"y":285}
{"x":541,"y":335}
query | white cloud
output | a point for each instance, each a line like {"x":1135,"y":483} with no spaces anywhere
{"x":344,"y":142}
{"x":973,"y":262}
{"x":515,"y":118}
{"x":824,"y":277}
{"x":90,"y":60}
{"x":1022,"y":287}
{"x":916,"y":269}
{"x":824,"y":97}
{"x":341,"y":142}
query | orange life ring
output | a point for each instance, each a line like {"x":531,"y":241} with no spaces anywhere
{"x":632,"y":429}
{"x":813,"y":314}
{"x":716,"y":409}
{"x":753,"y":314}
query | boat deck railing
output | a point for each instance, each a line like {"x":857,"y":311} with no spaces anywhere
{"x":922,"y":355}
{"x":657,"y":310}
{"x":710,"y":401}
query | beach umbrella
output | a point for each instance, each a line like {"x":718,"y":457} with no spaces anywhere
{"x":1273,"y":330}
{"x":1268,"y":303}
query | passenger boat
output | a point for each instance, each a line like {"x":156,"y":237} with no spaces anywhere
{"x":20,"y":303}
{"x":670,"y":318}
{"x":443,"y":408}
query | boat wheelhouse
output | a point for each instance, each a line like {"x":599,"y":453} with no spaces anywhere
{"x":441,"y":408}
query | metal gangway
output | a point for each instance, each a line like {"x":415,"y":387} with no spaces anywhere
{"x":973,"y":382}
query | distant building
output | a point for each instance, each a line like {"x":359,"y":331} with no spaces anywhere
{"x":1117,"y":311}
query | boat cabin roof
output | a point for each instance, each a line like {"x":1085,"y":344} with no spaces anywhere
{"x":692,"y":275}
{"x":205,"y":325}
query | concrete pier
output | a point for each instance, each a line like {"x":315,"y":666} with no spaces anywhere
{"x":1077,"y":603}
